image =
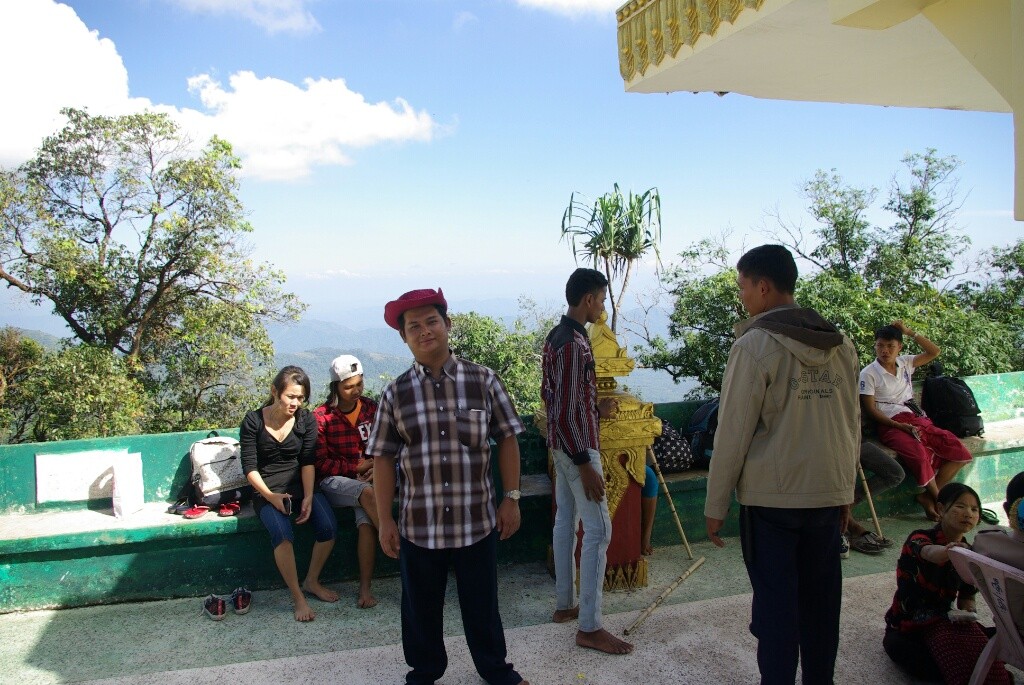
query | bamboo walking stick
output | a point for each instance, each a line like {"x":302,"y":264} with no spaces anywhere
{"x":671,"y":505}
{"x":871,"y":503}
{"x":661,"y":598}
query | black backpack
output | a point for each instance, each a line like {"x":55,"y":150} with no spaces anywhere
{"x":701,"y":433}
{"x":671,"y":450}
{"x":950,"y":404}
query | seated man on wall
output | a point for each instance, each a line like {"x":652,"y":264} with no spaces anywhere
{"x":930,"y":454}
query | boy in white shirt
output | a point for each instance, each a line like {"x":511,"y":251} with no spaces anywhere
{"x":930,"y":454}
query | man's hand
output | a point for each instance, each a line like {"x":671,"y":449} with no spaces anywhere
{"x":389,"y":537}
{"x":910,"y":429}
{"x":593,"y":482}
{"x":508,"y":518}
{"x":713,"y":526}
{"x":903,"y":328}
{"x":608,"y":408}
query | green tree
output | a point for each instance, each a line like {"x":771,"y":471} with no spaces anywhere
{"x":138,"y":245}
{"x":514,"y":353}
{"x":19,"y":359}
{"x":84,"y":391}
{"x":613,"y":234}
{"x":861,"y":277}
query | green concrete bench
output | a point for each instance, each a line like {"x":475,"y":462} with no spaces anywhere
{"x":62,"y":553}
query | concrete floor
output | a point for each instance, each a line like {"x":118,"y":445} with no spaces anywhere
{"x":699,"y":634}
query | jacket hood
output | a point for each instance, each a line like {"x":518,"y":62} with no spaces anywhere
{"x":802,"y":331}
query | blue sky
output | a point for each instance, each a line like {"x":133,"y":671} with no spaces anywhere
{"x":398,"y":144}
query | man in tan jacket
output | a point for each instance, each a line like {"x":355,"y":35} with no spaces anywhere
{"x":788,"y":441}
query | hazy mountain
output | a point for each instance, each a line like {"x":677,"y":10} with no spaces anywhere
{"x":49,"y":342}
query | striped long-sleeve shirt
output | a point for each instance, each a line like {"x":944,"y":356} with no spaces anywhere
{"x":569,"y":391}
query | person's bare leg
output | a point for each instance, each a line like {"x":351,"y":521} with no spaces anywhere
{"x":927,"y":500}
{"x":648,"y":505}
{"x":368,"y":502}
{"x":366,"y":551}
{"x":566,"y":615}
{"x":603,"y":641}
{"x":946,"y":472}
{"x":321,"y":550}
{"x":284,"y":557}
{"x":854,"y":529}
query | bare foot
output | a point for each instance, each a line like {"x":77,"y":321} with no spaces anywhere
{"x":646,"y":549}
{"x":603,"y":641}
{"x":928,"y":504}
{"x":320,"y":592}
{"x":566,"y":615}
{"x":303,"y":612}
{"x":366,"y":600}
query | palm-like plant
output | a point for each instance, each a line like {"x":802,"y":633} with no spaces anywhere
{"x":613,"y":234}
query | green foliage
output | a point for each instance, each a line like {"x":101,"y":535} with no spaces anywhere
{"x":862,"y":277}
{"x":137,"y":243}
{"x":19,"y":358}
{"x":513,"y":353}
{"x":613,"y":234}
{"x":85,"y":392}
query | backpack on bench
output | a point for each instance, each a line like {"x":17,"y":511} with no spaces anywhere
{"x":701,"y":433}
{"x":950,"y":404}
{"x":217,"y":476}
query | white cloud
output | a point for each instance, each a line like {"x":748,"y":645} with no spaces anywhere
{"x":283,"y":130}
{"x":279,"y":129}
{"x":575,"y":8}
{"x":273,"y":15}
{"x":52,"y":60}
{"x":333,"y":274}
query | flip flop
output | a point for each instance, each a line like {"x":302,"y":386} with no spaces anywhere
{"x":179,"y":508}
{"x":195,"y":512}
{"x":229,"y":509}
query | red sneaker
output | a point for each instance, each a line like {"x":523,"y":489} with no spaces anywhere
{"x":241,"y":600}
{"x":214,"y":607}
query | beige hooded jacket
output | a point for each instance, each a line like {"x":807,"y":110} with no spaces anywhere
{"x":789,"y":417}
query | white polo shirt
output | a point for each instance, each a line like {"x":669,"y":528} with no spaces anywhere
{"x":890,"y":391}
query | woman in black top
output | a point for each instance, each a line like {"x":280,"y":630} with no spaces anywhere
{"x":278,"y":455}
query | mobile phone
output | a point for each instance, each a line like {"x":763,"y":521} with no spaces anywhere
{"x":288,"y":506}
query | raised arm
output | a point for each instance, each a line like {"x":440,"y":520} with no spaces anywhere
{"x":929,"y":349}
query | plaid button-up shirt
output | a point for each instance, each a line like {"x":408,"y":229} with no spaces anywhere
{"x":339,"y":444}
{"x":438,"y":429}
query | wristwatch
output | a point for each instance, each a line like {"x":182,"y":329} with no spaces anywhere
{"x":513,"y":495}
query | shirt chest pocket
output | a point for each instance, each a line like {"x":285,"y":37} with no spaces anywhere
{"x":471,"y":424}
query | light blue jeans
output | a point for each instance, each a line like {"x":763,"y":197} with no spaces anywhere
{"x":574,"y":506}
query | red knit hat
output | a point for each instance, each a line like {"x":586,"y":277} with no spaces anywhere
{"x":411,"y":300}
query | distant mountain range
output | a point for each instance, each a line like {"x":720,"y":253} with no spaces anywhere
{"x":313,"y":344}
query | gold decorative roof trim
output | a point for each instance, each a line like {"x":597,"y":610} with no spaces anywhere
{"x":651,"y":29}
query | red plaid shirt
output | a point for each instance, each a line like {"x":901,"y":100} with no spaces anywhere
{"x":339,"y":445}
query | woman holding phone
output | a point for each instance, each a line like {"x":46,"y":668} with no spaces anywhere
{"x":278,"y":456}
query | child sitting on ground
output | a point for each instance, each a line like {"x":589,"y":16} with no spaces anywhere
{"x":922,"y":635}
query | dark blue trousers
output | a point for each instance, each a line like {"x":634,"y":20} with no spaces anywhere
{"x":424,"y":580}
{"x":792,"y":558}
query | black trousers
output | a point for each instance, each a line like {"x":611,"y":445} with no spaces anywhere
{"x":424,"y":580}
{"x":792,"y":558}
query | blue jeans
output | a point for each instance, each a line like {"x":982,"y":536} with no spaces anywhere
{"x":794,"y":570}
{"x":280,"y":526}
{"x":573,"y":505}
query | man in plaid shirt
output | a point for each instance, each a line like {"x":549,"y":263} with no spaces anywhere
{"x":569,"y":391}
{"x":344,"y":475}
{"x":435,"y":421}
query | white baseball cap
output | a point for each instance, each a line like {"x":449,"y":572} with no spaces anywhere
{"x":344,"y":367}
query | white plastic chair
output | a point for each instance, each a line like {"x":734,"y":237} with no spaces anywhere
{"x":992,"y":578}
